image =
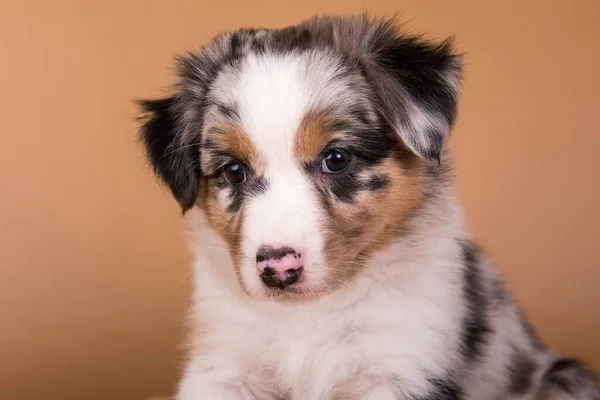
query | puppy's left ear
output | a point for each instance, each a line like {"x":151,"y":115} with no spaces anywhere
{"x":174,"y":155}
{"x":417,"y":84}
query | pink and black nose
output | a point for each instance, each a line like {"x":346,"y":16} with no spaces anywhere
{"x":279,"y":267}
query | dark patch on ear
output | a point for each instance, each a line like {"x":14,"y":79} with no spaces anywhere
{"x":417,"y":75}
{"x":476,"y":328}
{"x":175,"y":161}
{"x":521,"y":370}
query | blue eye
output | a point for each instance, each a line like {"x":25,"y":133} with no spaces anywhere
{"x":235,"y":173}
{"x":335,"y":161}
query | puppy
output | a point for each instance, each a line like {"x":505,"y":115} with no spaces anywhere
{"x":332,"y":260}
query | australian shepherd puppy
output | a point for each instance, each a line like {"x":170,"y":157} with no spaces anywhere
{"x":332,"y":260}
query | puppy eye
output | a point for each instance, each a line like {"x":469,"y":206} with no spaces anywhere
{"x":235,"y":173}
{"x":335,"y":161}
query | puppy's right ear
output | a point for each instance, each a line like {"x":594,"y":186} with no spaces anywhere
{"x":174,"y":156}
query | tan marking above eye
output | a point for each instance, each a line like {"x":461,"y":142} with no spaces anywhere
{"x":233,"y":139}
{"x":313,"y":136}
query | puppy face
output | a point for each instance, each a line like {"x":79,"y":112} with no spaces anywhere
{"x":307,"y":147}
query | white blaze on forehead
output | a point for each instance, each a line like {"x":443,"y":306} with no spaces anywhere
{"x":273,"y":94}
{"x":273,"y":98}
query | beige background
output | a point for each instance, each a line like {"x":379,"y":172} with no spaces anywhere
{"x":93,"y":267}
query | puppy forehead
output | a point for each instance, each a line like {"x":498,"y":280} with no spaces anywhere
{"x":273,"y":94}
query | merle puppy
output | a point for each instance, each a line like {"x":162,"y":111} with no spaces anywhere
{"x":332,"y":259}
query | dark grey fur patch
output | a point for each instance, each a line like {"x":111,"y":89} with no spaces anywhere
{"x":570,"y":376}
{"x":444,"y":389}
{"x":236,"y":199}
{"x":476,"y":326}
{"x":521,"y":371}
{"x":254,"y":186}
{"x":377,"y":183}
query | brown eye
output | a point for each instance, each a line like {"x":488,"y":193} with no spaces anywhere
{"x":235,"y":173}
{"x":335,"y":161}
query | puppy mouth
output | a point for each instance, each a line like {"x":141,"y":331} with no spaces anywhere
{"x":295,"y":291}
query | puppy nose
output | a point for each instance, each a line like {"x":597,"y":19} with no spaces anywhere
{"x":279,"y":267}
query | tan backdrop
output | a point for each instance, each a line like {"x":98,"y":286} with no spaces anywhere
{"x":93,"y":268}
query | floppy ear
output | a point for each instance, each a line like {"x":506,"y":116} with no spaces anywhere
{"x":417,"y":84}
{"x":174,"y":156}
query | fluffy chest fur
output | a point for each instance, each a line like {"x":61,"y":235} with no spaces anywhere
{"x":393,"y":325}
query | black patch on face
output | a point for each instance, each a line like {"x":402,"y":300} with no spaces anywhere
{"x":521,"y":370}
{"x":476,"y":328}
{"x":373,"y":143}
{"x":266,"y":252}
{"x":236,"y":199}
{"x":367,"y":148}
{"x":344,"y":186}
{"x":254,"y":186}
{"x":377,"y":183}
{"x":444,"y":389}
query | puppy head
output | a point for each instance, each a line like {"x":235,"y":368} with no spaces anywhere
{"x":306,"y":147}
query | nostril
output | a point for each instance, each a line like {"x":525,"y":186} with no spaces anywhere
{"x":293,"y":276}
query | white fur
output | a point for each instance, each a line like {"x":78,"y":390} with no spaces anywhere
{"x":399,"y":319}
